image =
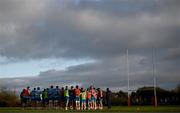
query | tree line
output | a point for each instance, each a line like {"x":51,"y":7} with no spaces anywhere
{"x":145,"y":96}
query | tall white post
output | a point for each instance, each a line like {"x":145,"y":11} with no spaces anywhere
{"x":127,"y":64}
{"x":154,"y":76}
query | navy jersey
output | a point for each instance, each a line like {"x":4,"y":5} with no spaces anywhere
{"x":52,"y":93}
{"x":33,"y":94}
{"x":56,"y":93}
{"x":72,"y":94}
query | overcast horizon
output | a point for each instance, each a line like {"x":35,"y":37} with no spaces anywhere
{"x":69,"y":42}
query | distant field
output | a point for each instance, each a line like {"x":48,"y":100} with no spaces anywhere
{"x":114,"y":109}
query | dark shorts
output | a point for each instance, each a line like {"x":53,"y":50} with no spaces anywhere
{"x":51,"y":98}
{"x":25,"y":99}
{"x":62,"y":98}
{"x":57,"y":98}
{"x":71,"y":99}
{"x":89,"y":100}
{"x":33,"y":99}
{"x":38,"y":99}
{"x":77,"y":98}
{"x":99,"y":100}
{"x":93,"y":99}
{"x":66,"y":99}
{"x":45,"y":100}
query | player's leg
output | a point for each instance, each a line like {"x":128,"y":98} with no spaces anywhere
{"x":101,"y":103}
{"x":85,"y":104}
{"x":66,"y":103}
{"x":95,"y":104}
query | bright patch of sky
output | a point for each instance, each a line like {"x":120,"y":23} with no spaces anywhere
{"x":34,"y":67}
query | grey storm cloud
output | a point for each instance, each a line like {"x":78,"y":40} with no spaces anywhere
{"x":105,"y":73}
{"x":41,"y":29}
{"x":95,"y":29}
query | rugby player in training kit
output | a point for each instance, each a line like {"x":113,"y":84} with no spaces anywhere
{"x":99,"y":98}
{"x":89,"y":100}
{"x":39,"y":98}
{"x":83,"y":99}
{"x":93,"y":97}
{"x":71,"y":98}
{"x":77,"y":93}
{"x":55,"y":98}
{"x":33,"y":98}
{"x":62,"y":98}
{"x":66,"y":97}
{"x":45,"y":97}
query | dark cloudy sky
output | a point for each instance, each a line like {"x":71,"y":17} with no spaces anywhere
{"x":68,"y":42}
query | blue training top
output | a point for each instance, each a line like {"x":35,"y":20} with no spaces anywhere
{"x":33,"y":94}
{"x":52,"y":93}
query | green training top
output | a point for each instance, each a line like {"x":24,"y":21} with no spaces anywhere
{"x":45,"y":94}
{"x":66,"y":93}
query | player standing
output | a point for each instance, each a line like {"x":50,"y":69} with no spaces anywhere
{"x":77,"y":99}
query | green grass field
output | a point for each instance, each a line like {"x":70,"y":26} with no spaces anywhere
{"x":114,"y":109}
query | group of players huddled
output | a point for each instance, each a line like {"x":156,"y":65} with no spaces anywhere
{"x":54,"y":97}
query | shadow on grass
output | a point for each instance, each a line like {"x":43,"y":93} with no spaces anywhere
{"x":114,"y":109}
